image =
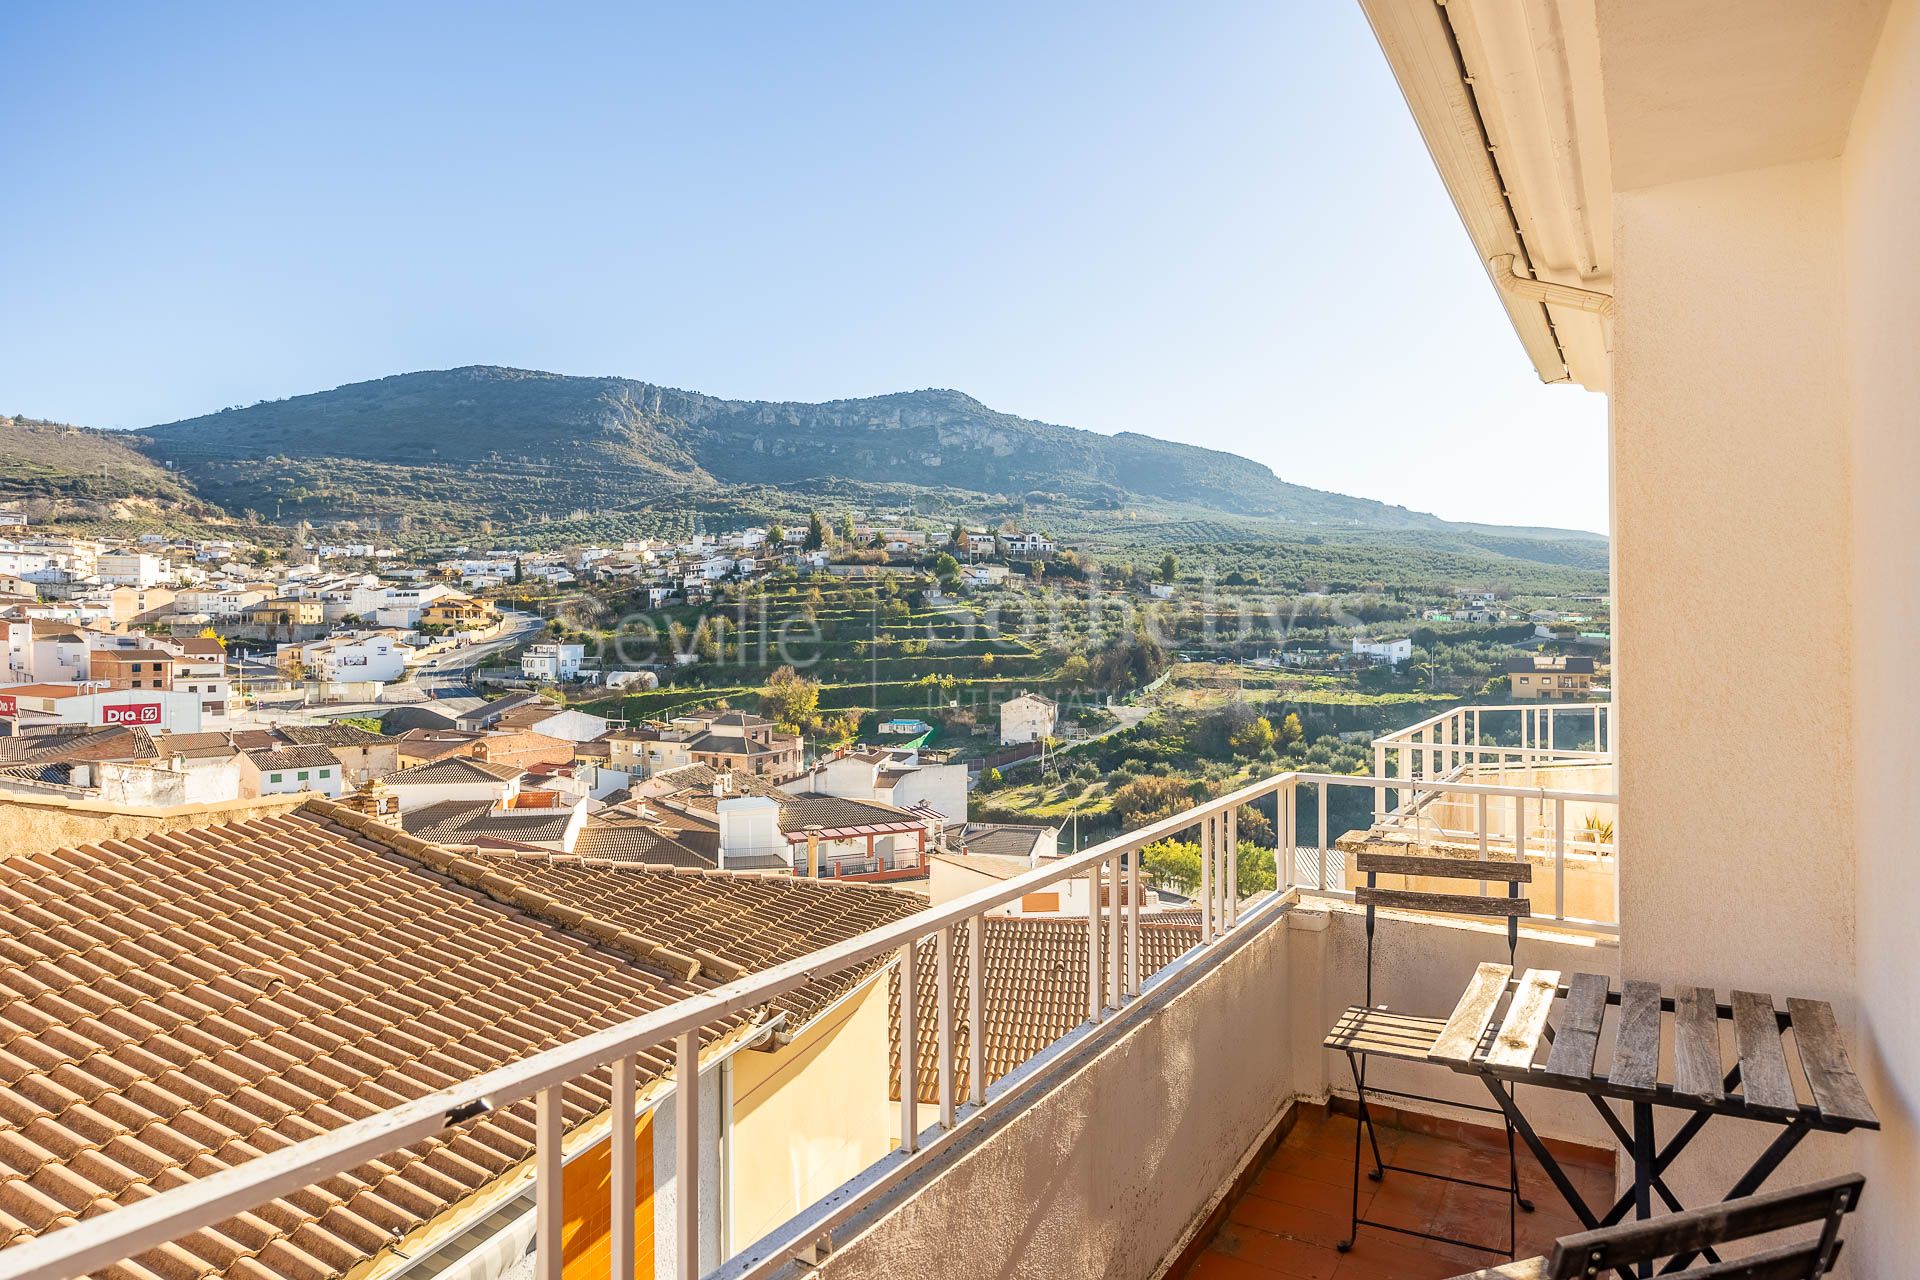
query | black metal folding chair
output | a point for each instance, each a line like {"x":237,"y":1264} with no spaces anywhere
{"x":1680,"y":1237}
{"x":1367,"y":1031}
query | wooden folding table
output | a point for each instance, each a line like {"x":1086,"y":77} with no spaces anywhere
{"x":1550,"y":1038}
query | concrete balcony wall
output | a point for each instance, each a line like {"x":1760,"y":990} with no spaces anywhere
{"x":1109,"y":1170}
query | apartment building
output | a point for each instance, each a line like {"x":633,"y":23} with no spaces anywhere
{"x":132,"y":668}
{"x":200,"y":667}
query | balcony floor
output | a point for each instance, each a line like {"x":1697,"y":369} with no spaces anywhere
{"x":1295,"y":1210}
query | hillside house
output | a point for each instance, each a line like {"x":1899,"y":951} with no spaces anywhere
{"x":1029,"y":717}
{"x":1536,"y":676}
{"x":552,"y":662}
{"x":1390,"y":652}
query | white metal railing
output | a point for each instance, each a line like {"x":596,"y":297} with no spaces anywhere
{"x":1115,"y":987}
{"x":1468,"y":741}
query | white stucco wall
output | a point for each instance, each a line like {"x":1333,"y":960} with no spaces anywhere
{"x":1880,"y":191}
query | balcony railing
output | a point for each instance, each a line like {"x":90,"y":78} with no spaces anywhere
{"x":1476,"y":741}
{"x":1116,"y":987}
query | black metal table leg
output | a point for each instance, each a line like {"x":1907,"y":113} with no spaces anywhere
{"x":1643,"y":1168}
{"x":1758,"y":1172}
{"x":1547,"y":1161}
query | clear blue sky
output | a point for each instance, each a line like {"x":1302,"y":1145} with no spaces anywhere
{"x":1212,"y":222}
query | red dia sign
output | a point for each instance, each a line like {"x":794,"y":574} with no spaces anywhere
{"x":135,"y":713}
{"x":9,"y":706}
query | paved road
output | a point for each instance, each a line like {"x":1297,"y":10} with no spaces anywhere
{"x":445,"y":675}
{"x":448,"y":675}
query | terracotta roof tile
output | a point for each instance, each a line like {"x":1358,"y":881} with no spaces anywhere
{"x":1036,"y":988}
{"x":184,"y":1003}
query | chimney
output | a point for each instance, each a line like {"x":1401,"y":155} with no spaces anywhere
{"x":813,"y":852}
{"x":375,"y":800}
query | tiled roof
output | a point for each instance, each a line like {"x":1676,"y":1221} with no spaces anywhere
{"x":176,"y":1004}
{"x":734,"y":923}
{"x":698,"y":779}
{"x":475,"y":822}
{"x":1003,"y":839}
{"x":55,"y":775}
{"x":454,"y":770}
{"x":116,"y":743}
{"x":1036,"y":984}
{"x":330,"y":735}
{"x":635,"y":841}
{"x":528,"y":716}
{"x":276,"y":759}
{"x":798,"y":812}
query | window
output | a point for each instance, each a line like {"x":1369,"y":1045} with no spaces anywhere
{"x":326,"y":773}
{"x":301,"y":776}
{"x":273,"y":777}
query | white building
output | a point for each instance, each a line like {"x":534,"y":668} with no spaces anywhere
{"x":1393,"y":651}
{"x":1026,"y":544}
{"x":1027,"y":718}
{"x":454,"y":778}
{"x":286,"y":770}
{"x":28,"y":705}
{"x":895,"y":777}
{"x":550,"y":661}
{"x":351,"y":658}
{"x":133,"y":569}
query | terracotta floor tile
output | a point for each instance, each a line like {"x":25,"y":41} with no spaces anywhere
{"x":1322,"y":1197}
{"x":1277,"y":1255}
{"x":1214,"y":1265}
{"x":1296,"y":1208}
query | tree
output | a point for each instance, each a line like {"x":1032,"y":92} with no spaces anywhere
{"x":1253,"y":824}
{"x":816,"y":532}
{"x":947,"y":569}
{"x":1172,"y":863}
{"x":519,"y":571}
{"x":1253,"y":737}
{"x":1176,"y":864}
{"x":776,"y":534}
{"x":791,"y":700}
{"x":841,"y":730}
{"x":1075,"y":671}
{"x":957,"y":538}
{"x":844,"y":527}
{"x":1291,"y":732}
{"x":1149,"y":799}
{"x":986,"y":664}
{"x":1169,"y":567}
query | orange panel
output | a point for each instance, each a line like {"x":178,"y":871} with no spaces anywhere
{"x":1041,"y":902}
{"x":586,"y":1193}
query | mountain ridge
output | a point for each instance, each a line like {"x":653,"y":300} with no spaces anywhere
{"x":660,"y":438}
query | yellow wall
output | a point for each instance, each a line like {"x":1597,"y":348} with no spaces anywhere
{"x":586,"y":1197}
{"x":809,"y":1116}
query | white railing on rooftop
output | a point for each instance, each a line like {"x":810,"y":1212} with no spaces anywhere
{"x":1116,"y":987}
{"x":1469,"y":742}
